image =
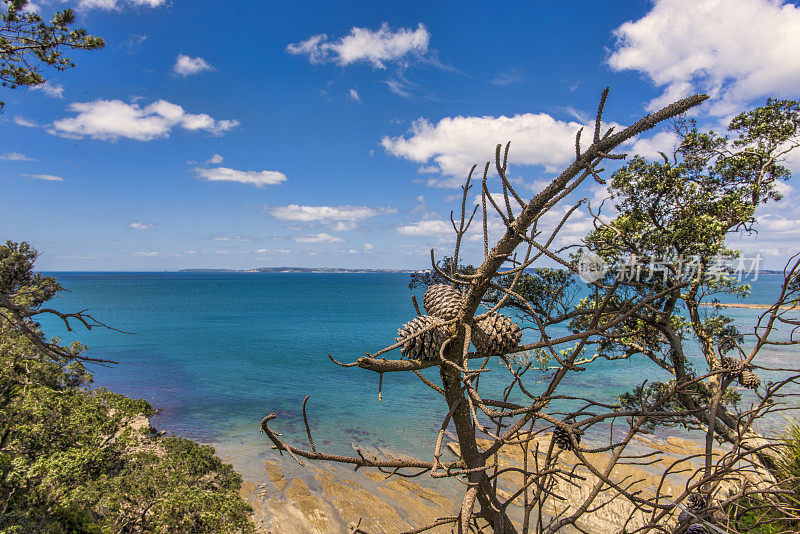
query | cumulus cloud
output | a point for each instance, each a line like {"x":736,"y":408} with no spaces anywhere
{"x":108,"y":120}
{"x":53,"y":90}
{"x":735,"y":50}
{"x":454,"y":144}
{"x":649,"y":147}
{"x":778,"y":225}
{"x":113,"y":5}
{"x":354,"y":95}
{"x":45,"y":177}
{"x":429,"y":227}
{"x":376,"y":47}
{"x":338,"y":218}
{"x":187,"y":66}
{"x":140,"y":225}
{"x":15,"y":156}
{"x":215,"y":159}
{"x":368,"y":246}
{"x":256,"y":178}
{"x":321,"y":237}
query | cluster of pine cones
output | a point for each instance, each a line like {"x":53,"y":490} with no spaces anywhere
{"x":734,"y":368}
{"x":494,"y":334}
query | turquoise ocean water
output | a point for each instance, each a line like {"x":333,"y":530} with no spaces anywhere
{"x":217,"y":352}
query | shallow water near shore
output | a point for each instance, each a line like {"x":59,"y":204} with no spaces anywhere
{"x":215,"y":353}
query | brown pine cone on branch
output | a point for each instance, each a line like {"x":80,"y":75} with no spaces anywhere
{"x":732,"y":367}
{"x":749,"y":379}
{"x":495,"y":334}
{"x":425,"y":346}
{"x":442,"y":301}
{"x":561,"y":437}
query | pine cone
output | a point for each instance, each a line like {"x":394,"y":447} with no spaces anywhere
{"x":732,"y":367}
{"x":697,"y":528}
{"x":495,"y":334}
{"x":696,"y":502}
{"x":425,"y":346}
{"x":442,"y":301}
{"x":561,"y":438}
{"x":684,"y":517}
{"x":749,"y":379}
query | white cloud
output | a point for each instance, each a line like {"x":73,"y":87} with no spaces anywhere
{"x":187,"y":66}
{"x":321,"y":237}
{"x":783,"y":188}
{"x":22,"y":121}
{"x":456,"y":143}
{"x":53,"y":90}
{"x":45,"y":177}
{"x":430,"y":169}
{"x":735,"y":50}
{"x":110,"y":5}
{"x":506,"y":78}
{"x":146,"y":253}
{"x":362,"y":44}
{"x":354,"y":95}
{"x":135,"y":40}
{"x":368,"y":246}
{"x":256,"y":178}
{"x":778,"y":225}
{"x":233,"y":238}
{"x":140,"y":225}
{"x":215,"y":159}
{"x":273,"y":251}
{"x":108,"y":120}
{"x":398,"y":88}
{"x":430,"y":227}
{"x":15,"y":156}
{"x":339,"y":218}
{"x":649,"y":147}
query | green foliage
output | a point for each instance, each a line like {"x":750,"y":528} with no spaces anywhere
{"x":677,"y":214}
{"x":74,"y":459}
{"x":549,"y":292}
{"x":711,"y":187}
{"x":431,"y":277}
{"x":775,"y":512}
{"x":27,"y":43}
{"x":18,"y":279}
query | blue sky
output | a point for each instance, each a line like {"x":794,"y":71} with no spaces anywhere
{"x":325,"y":134}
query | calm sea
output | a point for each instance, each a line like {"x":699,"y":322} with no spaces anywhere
{"x":215,"y":353}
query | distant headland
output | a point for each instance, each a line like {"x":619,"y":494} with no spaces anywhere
{"x":300,"y":270}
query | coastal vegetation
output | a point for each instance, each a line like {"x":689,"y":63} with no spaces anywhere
{"x":652,"y":265}
{"x":81,"y":459}
{"x":28,"y":44}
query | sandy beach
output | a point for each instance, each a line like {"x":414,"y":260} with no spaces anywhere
{"x":322,"y":498}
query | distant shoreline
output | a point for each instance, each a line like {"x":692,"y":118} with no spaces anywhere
{"x":746,"y":306}
{"x":315,"y":270}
